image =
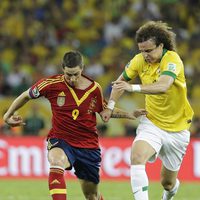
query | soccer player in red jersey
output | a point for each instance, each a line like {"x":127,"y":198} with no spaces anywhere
{"x":73,"y":139}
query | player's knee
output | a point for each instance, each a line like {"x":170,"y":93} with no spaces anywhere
{"x":57,"y":157}
{"x":167,"y":184}
{"x":137,"y":159}
{"x":57,"y":161}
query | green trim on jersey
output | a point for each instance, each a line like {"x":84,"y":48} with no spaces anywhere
{"x":169,"y":74}
{"x":126,"y":76}
{"x":163,"y":53}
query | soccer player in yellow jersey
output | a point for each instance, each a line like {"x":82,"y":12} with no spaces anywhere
{"x":164,"y":131}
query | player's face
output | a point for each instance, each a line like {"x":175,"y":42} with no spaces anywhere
{"x":151,"y":52}
{"x":72,"y":75}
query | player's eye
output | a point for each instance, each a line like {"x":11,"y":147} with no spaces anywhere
{"x":148,"y":50}
{"x":76,"y":74}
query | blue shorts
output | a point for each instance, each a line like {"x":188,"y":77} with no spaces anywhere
{"x":86,"y":162}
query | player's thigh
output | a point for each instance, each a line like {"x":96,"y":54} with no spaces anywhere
{"x":87,"y":164}
{"x":147,"y":143}
{"x":89,"y":188}
{"x":141,"y":152}
{"x":57,"y":157}
{"x":174,"y":148}
{"x":168,"y":177}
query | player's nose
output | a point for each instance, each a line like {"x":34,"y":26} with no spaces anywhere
{"x":72,"y":79}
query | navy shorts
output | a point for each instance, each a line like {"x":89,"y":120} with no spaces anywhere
{"x":86,"y":162}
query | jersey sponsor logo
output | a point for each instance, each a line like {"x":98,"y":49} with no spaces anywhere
{"x":55,"y":181}
{"x":158,"y":71}
{"x":171,"y":67}
{"x":35,"y":92}
{"x":61,"y":99}
{"x":136,"y":191}
{"x":50,"y":145}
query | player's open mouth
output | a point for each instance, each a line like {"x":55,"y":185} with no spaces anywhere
{"x":148,"y":60}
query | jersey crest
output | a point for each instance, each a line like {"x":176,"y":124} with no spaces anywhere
{"x":61,"y":99}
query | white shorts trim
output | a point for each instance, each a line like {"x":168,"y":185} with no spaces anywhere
{"x":170,"y":147}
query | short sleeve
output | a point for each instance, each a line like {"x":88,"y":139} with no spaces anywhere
{"x":38,"y":89}
{"x":171,"y":65}
{"x":131,"y":69}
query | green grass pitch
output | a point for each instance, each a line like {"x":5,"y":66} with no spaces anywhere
{"x":111,"y":190}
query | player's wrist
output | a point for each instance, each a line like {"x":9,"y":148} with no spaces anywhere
{"x":135,"y":88}
{"x":111,"y":104}
{"x":6,"y":117}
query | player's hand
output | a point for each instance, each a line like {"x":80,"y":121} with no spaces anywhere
{"x":106,"y":114}
{"x":139,"y":112}
{"x":14,"y":120}
{"x":122,"y":86}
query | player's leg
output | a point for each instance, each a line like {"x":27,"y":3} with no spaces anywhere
{"x":171,"y":154}
{"x":141,"y":151}
{"x":87,"y":167}
{"x":58,"y":162}
{"x":146,"y":147}
{"x":169,"y":182}
{"x":90,"y":190}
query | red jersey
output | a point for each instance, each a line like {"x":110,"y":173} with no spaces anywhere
{"x":74,"y":110}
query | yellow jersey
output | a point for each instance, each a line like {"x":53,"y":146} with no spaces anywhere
{"x":170,"y":111}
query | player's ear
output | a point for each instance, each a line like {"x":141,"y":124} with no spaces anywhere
{"x":63,"y":66}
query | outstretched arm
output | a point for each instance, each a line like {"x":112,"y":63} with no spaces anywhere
{"x":159,"y":87}
{"x":119,"y":113}
{"x":9,"y":117}
{"x":114,"y":96}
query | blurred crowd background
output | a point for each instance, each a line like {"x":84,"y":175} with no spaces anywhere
{"x":35,"y":34}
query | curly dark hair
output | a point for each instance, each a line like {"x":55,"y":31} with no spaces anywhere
{"x":158,"y":31}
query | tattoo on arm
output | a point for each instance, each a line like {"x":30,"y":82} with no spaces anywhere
{"x":119,"y":114}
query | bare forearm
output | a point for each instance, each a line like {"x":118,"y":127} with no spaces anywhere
{"x":118,"y":113}
{"x":153,"y":89}
{"x":116,"y":94}
{"x":17,"y":103}
{"x":159,"y":87}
